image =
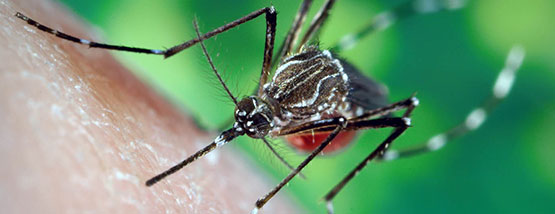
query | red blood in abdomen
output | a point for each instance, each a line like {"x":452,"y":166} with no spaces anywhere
{"x":309,"y":142}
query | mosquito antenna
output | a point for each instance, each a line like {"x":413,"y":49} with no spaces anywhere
{"x":211,"y":63}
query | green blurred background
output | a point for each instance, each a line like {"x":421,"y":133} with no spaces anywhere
{"x":450,"y":58}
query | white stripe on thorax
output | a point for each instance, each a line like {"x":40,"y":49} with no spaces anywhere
{"x":316,"y":94}
{"x":294,"y":62}
{"x":287,"y":81}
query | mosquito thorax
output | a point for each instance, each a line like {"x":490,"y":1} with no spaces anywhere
{"x":254,"y":117}
{"x":308,"y":84}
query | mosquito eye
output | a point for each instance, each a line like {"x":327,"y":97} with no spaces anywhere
{"x":244,"y":108}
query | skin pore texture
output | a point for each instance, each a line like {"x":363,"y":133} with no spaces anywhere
{"x":79,"y":133}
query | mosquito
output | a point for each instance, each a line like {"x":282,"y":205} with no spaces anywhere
{"x":316,"y":99}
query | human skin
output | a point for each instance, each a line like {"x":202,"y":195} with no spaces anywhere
{"x":81,"y":134}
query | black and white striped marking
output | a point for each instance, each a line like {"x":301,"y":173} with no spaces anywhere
{"x":476,"y":117}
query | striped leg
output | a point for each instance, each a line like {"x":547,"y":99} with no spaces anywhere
{"x":477,"y":116}
{"x":386,"y":18}
{"x":89,"y":43}
{"x":269,"y":11}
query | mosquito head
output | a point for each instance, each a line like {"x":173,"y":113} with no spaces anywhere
{"x":253,"y":117}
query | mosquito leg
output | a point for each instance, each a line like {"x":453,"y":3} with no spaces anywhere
{"x":409,"y":104}
{"x":360,"y":122}
{"x":89,"y":43}
{"x":268,"y":48}
{"x":327,"y":125}
{"x":403,"y":11}
{"x":336,"y":124}
{"x":167,"y":53}
{"x":293,"y":33}
{"x":178,"y":48}
{"x":501,"y":89}
{"x":273,"y":150}
{"x":340,"y":123}
{"x":317,"y":22}
{"x":224,"y":138}
{"x":378,"y":151}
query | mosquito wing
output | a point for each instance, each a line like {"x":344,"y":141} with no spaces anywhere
{"x":363,"y":91}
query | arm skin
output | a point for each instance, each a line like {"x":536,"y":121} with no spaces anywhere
{"x":79,"y":133}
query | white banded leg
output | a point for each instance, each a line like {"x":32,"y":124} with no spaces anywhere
{"x":269,"y":11}
{"x":91,"y":44}
{"x":476,"y":117}
{"x":387,"y":18}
